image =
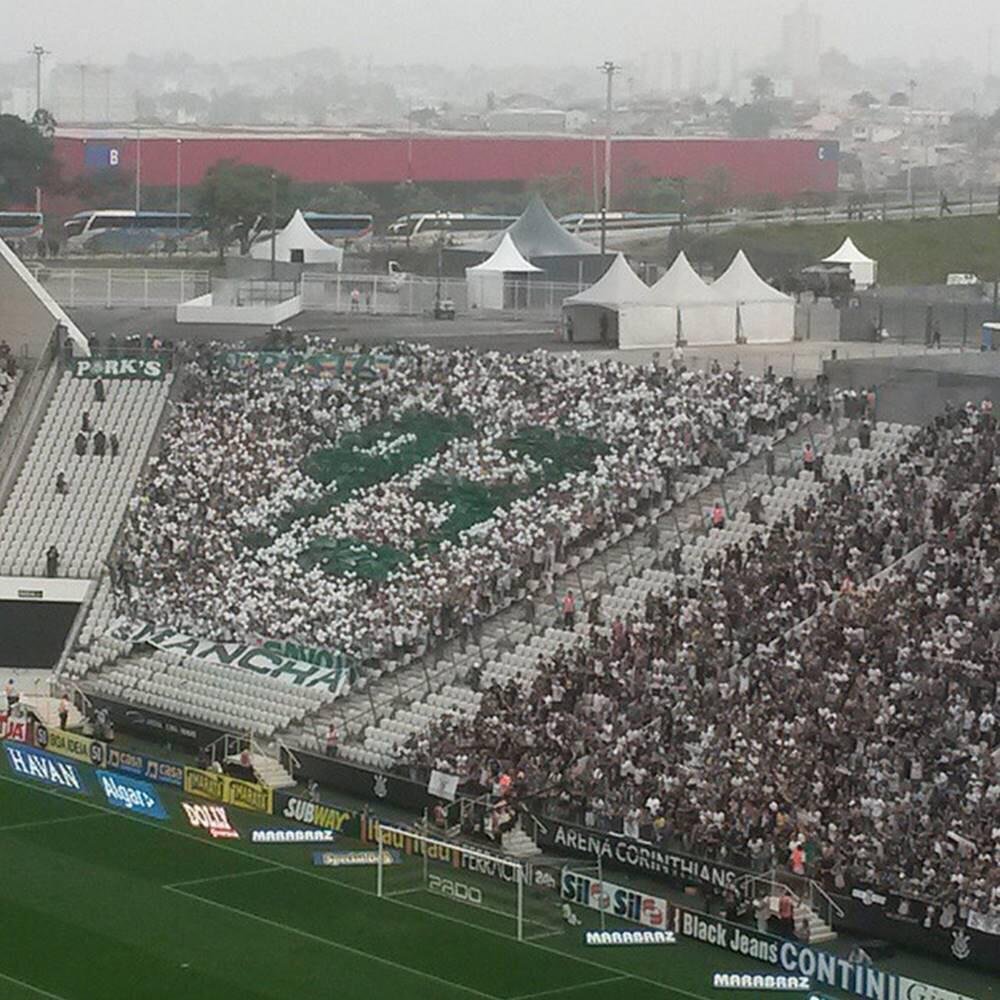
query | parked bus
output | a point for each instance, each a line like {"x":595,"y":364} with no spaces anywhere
{"x":430,"y":228}
{"x":17,"y":226}
{"x":341,"y":230}
{"x":107,"y":230}
{"x":590,"y":222}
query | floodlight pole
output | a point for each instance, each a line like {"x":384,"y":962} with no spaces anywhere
{"x":274,"y":224}
{"x":609,"y":69}
{"x":39,"y":52}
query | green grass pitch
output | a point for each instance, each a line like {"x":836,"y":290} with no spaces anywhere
{"x":101,"y":905}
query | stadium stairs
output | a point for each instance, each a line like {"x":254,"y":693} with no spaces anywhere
{"x":83,"y":523}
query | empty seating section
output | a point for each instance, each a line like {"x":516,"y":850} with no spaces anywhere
{"x":8,"y":386}
{"x":81,"y":524}
{"x":226,"y":697}
{"x":376,"y":746}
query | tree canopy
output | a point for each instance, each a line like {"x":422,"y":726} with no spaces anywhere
{"x":26,"y":161}
{"x":233,"y":196}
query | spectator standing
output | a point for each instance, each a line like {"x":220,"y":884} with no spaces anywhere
{"x":100,"y":444}
{"x":10,"y":691}
{"x":80,"y":444}
{"x":52,"y":561}
{"x":99,"y":394}
{"x":114,"y":445}
{"x":62,"y":487}
{"x":63,"y":711}
{"x":718,"y":515}
{"x":569,"y":610}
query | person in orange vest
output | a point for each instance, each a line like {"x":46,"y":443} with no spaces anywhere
{"x":569,"y":610}
{"x":718,"y":515}
{"x":798,"y":860}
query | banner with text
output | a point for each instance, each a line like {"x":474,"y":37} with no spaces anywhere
{"x":258,"y":659}
{"x":231,"y":791}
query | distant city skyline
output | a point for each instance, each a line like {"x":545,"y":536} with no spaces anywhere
{"x":457,"y":33}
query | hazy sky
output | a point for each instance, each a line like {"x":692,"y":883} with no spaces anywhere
{"x":460,"y":32}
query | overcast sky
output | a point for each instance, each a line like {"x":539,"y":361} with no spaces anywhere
{"x":496,"y":32}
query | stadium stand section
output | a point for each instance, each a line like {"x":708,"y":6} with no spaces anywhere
{"x":82,"y":522}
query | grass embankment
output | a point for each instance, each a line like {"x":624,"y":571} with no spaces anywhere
{"x":909,"y":252}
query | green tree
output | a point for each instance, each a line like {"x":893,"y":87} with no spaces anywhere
{"x":898,"y":100}
{"x":233,"y":196}
{"x":863,"y":99}
{"x":26,"y":161}
{"x":752,"y":121}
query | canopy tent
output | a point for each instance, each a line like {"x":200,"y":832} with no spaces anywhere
{"x":697,"y":314}
{"x":540,"y":239}
{"x":298,"y":244}
{"x":596,"y":313}
{"x":864,"y":269}
{"x":486,"y":284}
{"x":762,"y":313}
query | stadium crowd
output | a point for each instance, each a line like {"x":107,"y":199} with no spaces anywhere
{"x":825,"y":697}
{"x":230,"y":469}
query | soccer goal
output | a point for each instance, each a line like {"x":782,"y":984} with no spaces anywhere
{"x":460,"y":882}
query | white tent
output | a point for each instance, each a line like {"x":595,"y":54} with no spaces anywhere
{"x":486,"y":283}
{"x":298,"y":244}
{"x":762,"y":313}
{"x":864,"y":269}
{"x":615,"y":309}
{"x":697,"y":314}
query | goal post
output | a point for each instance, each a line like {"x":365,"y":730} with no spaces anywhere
{"x":445,"y":878}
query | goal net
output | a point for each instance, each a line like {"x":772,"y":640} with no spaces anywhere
{"x":463,"y":883}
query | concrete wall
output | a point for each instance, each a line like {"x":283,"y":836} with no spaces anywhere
{"x":914,"y":390}
{"x":28,"y":314}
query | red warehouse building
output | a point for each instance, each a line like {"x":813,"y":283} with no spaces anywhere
{"x":782,"y":167}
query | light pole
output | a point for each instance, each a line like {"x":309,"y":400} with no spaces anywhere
{"x":107,"y":93}
{"x":39,"y":53}
{"x":138,"y":170}
{"x":177,"y":188}
{"x":274,"y":223}
{"x":83,"y":92}
{"x":609,"y":69}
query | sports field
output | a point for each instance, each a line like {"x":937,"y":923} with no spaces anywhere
{"x":101,"y":904}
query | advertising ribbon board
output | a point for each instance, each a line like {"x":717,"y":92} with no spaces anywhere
{"x":149,"y":768}
{"x":149,"y":369}
{"x":822,"y":968}
{"x":44,"y":768}
{"x":257,"y":659}
{"x":231,"y":791}
{"x":615,"y":900}
{"x":342,"y":821}
{"x":131,"y":795}
{"x":248,"y":795}
{"x":636,"y":856}
{"x":72,"y":745}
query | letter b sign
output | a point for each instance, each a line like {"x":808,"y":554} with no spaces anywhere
{"x":112,"y":157}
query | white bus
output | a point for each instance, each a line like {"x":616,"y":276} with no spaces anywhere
{"x":114,"y":230}
{"x":432,"y":228}
{"x":590,"y":222}
{"x":17,"y":226}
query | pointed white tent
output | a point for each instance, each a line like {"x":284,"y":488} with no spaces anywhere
{"x":699,"y":315}
{"x":487,"y":284}
{"x":864,"y":269}
{"x":298,"y":244}
{"x":762,"y":313}
{"x":615,"y":309}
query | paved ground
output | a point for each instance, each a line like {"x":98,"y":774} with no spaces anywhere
{"x":803,"y":359}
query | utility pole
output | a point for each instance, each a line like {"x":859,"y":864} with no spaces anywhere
{"x":177,"y":189}
{"x":138,"y":170}
{"x":39,"y":53}
{"x":274,"y":221}
{"x":83,"y":91}
{"x":107,"y":93}
{"x":609,"y":69}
